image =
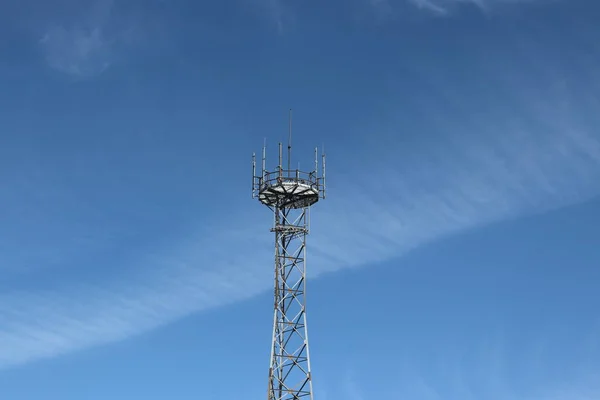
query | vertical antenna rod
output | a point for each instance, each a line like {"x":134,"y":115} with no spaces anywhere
{"x":324,"y":187}
{"x":280,"y":160}
{"x":290,"y":142}
{"x":253,"y":172}
{"x":264,"y":160}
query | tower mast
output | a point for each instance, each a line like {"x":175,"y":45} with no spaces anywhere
{"x":289,"y":195}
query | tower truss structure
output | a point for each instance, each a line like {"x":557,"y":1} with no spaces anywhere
{"x":289,"y":194}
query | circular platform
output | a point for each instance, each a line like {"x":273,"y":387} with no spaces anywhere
{"x":288,"y":192}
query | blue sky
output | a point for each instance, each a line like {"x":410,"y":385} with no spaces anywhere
{"x":457,"y":253}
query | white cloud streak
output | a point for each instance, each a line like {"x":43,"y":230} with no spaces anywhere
{"x":49,"y":323}
{"x":484,"y":370}
{"x":88,"y":43}
{"x":504,"y":178}
{"x":444,"y":7}
{"x":479,"y":170}
{"x":77,"y":52}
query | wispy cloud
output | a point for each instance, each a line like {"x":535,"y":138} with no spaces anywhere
{"x":277,"y":11}
{"x":48,"y":323}
{"x":350,"y":387}
{"x":444,"y":7}
{"x":87,"y":43}
{"x":415,"y":202}
{"x":530,"y":149}
{"x":432,"y":5}
{"x":509,"y":173}
{"x":489,"y":369}
{"x":77,"y":52}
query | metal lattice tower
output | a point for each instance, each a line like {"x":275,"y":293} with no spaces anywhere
{"x":289,"y":194}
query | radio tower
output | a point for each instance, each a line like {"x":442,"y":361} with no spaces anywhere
{"x":289,"y":194}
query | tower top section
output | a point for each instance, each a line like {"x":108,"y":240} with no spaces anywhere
{"x":288,"y":188}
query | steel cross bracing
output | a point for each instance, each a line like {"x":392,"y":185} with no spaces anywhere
{"x":289,"y":372}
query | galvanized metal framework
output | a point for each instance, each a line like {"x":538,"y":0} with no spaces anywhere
{"x":289,"y":195}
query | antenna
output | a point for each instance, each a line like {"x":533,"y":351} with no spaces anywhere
{"x":323,"y":171}
{"x":316,"y":161}
{"x":290,"y":142}
{"x":264,"y":159}
{"x":280,"y":160}
{"x":253,"y":172}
